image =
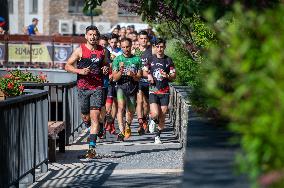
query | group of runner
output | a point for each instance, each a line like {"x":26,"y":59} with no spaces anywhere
{"x":115,"y":82}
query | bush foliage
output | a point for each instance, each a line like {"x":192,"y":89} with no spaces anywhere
{"x":244,"y":79}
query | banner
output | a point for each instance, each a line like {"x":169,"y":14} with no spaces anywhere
{"x":39,"y":53}
{"x":61,"y":53}
{"x":2,"y":52}
{"x":23,"y":53}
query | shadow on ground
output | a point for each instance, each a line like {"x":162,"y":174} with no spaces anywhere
{"x":209,"y":158}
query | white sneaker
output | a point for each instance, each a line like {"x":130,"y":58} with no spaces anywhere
{"x":152,"y":126}
{"x":158,"y":140}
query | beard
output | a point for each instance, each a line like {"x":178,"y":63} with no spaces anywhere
{"x":93,"y":42}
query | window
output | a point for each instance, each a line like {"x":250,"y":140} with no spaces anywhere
{"x":11,"y":6}
{"x":122,"y":4}
{"x":76,"y":6}
{"x":33,"y":6}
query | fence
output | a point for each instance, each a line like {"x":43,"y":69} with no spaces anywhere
{"x":23,"y":136}
{"x":37,"y":51}
{"x":63,"y":105}
{"x":180,"y":109}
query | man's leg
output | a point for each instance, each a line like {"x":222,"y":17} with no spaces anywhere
{"x":146,"y":107}
{"x":113,"y":115}
{"x":95,"y":127}
{"x":131,"y":102}
{"x":139,"y":109}
{"x":164,"y":101}
{"x":111,"y":109}
{"x":84,"y":101}
{"x":120,"y":112}
{"x":154,"y":112}
{"x":96,"y":102}
{"x":86,"y":119}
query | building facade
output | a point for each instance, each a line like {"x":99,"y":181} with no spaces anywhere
{"x":65,"y":16}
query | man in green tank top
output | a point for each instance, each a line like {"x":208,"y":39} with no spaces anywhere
{"x":126,"y":72}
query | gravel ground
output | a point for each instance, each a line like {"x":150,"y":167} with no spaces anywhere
{"x":137,"y":162}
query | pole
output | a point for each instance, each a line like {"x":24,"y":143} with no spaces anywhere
{"x":92,"y":20}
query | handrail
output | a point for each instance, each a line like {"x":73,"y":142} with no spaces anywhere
{"x":23,"y":137}
{"x":28,"y":95}
{"x":42,"y":38}
{"x":63,"y":105}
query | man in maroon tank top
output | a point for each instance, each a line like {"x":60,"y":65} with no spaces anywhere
{"x":91,"y":65}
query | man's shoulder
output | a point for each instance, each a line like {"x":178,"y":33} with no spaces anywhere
{"x":136,"y":57}
{"x":117,"y":58}
{"x":100,"y":48}
{"x":168,"y":59}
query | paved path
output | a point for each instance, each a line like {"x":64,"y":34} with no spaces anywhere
{"x":137,"y":162}
{"x":210,"y":156}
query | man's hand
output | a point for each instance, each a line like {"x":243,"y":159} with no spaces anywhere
{"x":121,"y":65}
{"x":150,"y":79}
{"x":131,"y":74}
{"x":105,"y":70}
{"x":84,"y":71}
{"x":164,"y":74}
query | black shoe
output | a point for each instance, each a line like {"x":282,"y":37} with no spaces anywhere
{"x":101,"y":133}
{"x":120,"y":137}
{"x":141,"y":131}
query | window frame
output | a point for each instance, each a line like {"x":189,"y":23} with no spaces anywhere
{"x":33,"y":7}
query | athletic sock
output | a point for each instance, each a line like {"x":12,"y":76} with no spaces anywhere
{"x":93,"y":140}
{"x":158,"y":133}
{"x":156,"y":121}
{"x":140,"y":120}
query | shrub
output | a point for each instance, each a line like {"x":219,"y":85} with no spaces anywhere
{"x":244,"y":79}
{"x":10,"y":86}
{"x":25,"y":76}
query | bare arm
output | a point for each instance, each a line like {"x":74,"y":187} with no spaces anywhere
{"x":116,"y":75}
{"x":138,"y":75}
{"x":70,"y":65}
{"x":172,"y":76}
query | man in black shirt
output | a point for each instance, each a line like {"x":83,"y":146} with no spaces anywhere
{"x":145,"y":52}
{"x":160,"y":71}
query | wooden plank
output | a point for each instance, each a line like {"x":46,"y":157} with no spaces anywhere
{"x":55,"y":127}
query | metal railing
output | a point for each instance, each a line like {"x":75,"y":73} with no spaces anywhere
{"x":179,"y":110}
{"x":63,"y":105}
{"x":23,"y":136}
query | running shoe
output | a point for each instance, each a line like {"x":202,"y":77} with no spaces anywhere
{"x":102,"y":132}
{"x":145,"y":125}
{"x":152,"y":126}
{"x":112,"y":128}
{"x":107,"y":126}
{"x":141,"y":130}
{"x":158,"y":140}
{"x":91,"y":153}
{"x":108,"y":120}
{"x":127,"y":131}
{"x":120,"y":137}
